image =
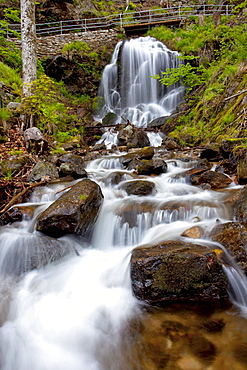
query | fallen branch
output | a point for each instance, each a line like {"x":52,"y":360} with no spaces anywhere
{"x":13,"y":200}
{"x":233,"y":96}
{"x":60,"y":191}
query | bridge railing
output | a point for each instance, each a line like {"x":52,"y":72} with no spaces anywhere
{"x":122,"y":20}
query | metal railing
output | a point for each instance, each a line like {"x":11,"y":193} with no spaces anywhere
{"x":122,"y":20}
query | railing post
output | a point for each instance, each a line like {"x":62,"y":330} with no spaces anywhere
{"x":227,"y":10}
{"x":85,"y":21}
{"x":204,"y":9}
{"x":179,"y":11}
{"x":61,"y":27}
{"x":120,"y":21}
{"x":149,"y":20}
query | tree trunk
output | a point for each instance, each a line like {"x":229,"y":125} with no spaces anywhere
{"x":28,"y":36}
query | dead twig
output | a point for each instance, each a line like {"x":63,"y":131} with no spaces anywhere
{"x":60,"y":191}
{"x":233,"y":96}
{"x":13,"y":200}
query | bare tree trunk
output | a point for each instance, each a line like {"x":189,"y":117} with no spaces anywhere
{"x":28,"y":36}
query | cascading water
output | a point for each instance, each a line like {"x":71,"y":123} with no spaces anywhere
{"x":128,"y":90}
{"x":77,"y":313}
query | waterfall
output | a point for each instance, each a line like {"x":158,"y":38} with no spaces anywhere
{"x":128,"y":90}
{"x":78,"y":312}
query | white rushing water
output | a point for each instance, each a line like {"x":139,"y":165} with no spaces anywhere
{"x":127,"y":88}
{"x":71,"y":314}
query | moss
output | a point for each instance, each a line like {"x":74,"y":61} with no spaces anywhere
{"x":188,"y":274}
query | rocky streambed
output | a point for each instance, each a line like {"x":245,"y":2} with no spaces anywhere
{"x":177,"y":217}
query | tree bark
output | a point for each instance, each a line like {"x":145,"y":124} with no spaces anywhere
{"x":28,"y":36}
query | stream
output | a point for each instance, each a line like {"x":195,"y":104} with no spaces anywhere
{"x":79,"y":313}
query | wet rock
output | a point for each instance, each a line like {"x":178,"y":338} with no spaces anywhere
{"x":131,"y":135}
{"x":177,"y":271}
{"x":12,"y":215}
{"x":144,"y":153}
{"x":70,"y":169}
{"x":193,"y":171}
{"x":216,"y":180}
{"x":75,"y":211}
{"x":148,"y":167}
{"x":233,"y":236}
{"x":138,"y":187}
{"x":228,"y":166}
{"x":144,"y":167}
{"x":43,"y":170}
{"x":110,"y":119}
{"x":92,"y":156}
{"x":116,"y":177}
{"x":35,"y":141}
{"x":159,"y":166}
{"x":71,"y":158}
{"x":71,"y":165}
{"x":240,"y":205}
{"x":157,"y":122}
{"x":193,"y":232}
{"x":169,"y":144}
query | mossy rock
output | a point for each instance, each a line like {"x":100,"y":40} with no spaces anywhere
{"x":177,"y":271}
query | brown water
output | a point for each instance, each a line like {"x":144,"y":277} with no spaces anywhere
{"x":180,"y":338}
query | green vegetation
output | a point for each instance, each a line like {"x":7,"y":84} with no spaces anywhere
{"x":214,"y":67}
{"x":9,"y":53}
{"x":10,"y":77}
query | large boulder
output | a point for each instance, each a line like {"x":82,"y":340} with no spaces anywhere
{"x":177,"y":271}
{"x":75,"y":211}
{"x":233,"y":236}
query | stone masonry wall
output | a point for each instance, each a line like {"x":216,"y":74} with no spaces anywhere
{"x":52,"y":45}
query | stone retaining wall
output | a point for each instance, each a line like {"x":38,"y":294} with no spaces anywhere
{"x":52,"y":45}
